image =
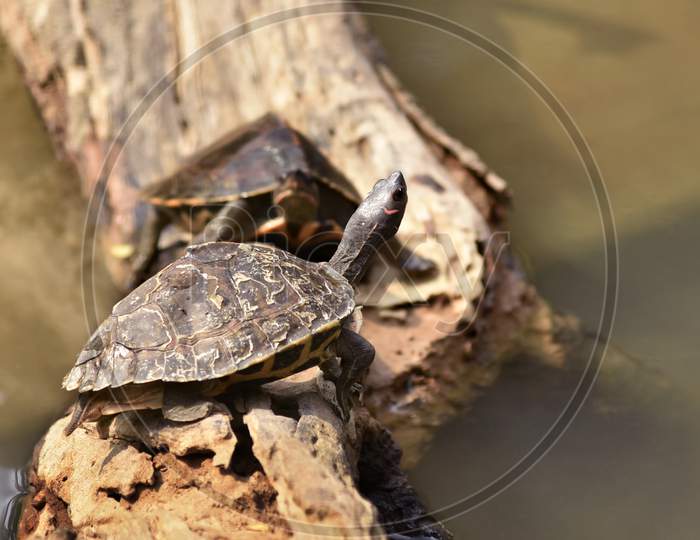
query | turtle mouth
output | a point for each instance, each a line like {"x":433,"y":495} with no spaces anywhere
{"x":391,"y":211}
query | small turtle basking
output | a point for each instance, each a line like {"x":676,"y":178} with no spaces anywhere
{"x":230,"y":312}
{"x":262,"y":181}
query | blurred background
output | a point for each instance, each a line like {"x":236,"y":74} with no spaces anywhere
{"x":628,"y":74}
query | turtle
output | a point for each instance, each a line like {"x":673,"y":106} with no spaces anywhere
{"x":229,"y":312}
{"x":264,"y":181}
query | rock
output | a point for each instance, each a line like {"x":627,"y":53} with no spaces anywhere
{"x":286,"y":466}
{"x":213,"y":433}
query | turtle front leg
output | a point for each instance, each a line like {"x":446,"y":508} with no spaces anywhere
{"x":409,"y":261}
{"x":236,"y":221}
{"x":317,"y":237}
{"x":356,"y":355}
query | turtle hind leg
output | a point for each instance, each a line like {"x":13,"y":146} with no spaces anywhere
{"x":356,"y":355}
{"x":80,"y":410}
{"x":235,"y":221}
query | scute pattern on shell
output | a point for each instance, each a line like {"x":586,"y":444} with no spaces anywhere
{"x":223,"y":174}
{"x":219,"y":309}
{"x":250,"y":161}
{"x":247,"y":162}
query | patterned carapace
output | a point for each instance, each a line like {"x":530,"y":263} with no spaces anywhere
{"x":223,"y":311}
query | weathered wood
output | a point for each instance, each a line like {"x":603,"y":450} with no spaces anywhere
{"x":89,"y":66}
{"x":260,"y":467}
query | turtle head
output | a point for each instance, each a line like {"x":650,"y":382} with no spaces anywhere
{"x":375,"y":221}
{"x":298,"y":198}
{"x":382,"y":210}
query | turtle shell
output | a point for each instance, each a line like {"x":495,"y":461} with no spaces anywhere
{"x":245,"y":163}
{"x":244,"y":311}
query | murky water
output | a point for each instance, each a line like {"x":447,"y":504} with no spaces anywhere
{"x":627,"y":72}
{"x":628,"y":75}
{"x":41,"y":323}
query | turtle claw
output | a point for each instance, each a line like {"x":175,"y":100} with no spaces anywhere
{"x":357,"y":390}
{"x":344,"y":403}
{"x":348,"y":396}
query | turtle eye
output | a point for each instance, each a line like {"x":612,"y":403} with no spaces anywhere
{"x":398,"y":194}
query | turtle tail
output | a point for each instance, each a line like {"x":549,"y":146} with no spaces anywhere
{"x":79,"y":410}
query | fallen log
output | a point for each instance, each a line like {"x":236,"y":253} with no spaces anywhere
{"x":128,"y":91}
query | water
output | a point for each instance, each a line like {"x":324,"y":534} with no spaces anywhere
{"x":628,"y":75}
{"x":13,"y":488}
{"x":41,"y":324}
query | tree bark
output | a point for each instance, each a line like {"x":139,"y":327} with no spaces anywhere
{"x":93,"y":69}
